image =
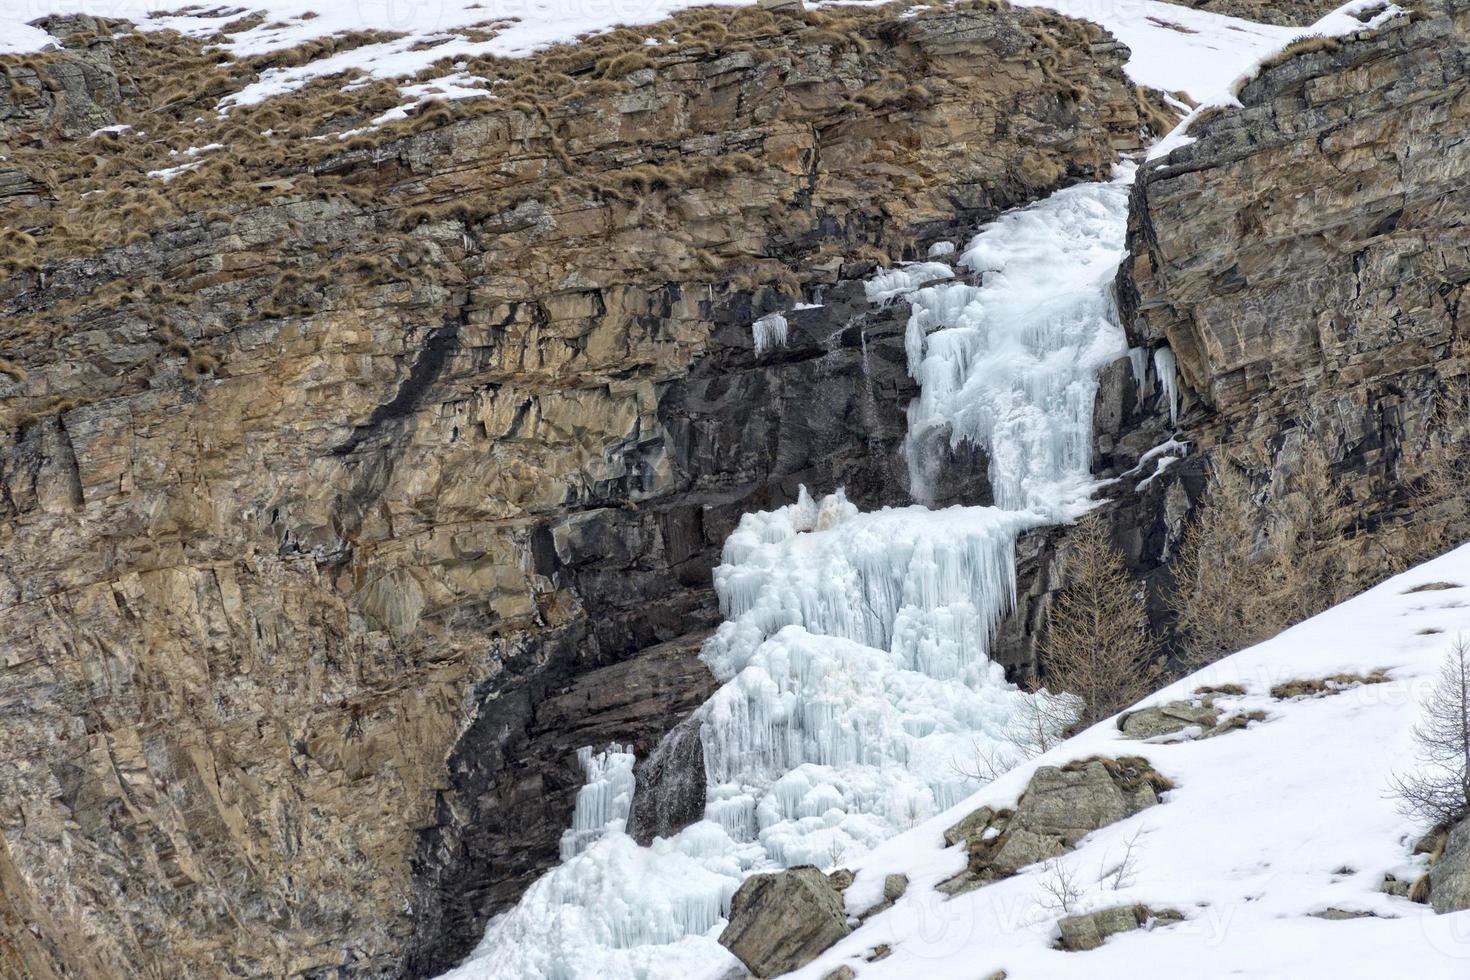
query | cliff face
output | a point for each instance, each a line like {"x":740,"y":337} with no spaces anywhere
{"x":1304,"y":261}
{"x":340,"y":505}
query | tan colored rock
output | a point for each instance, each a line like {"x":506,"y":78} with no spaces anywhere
{"x":1089,"y":931}
{"x":780,"y":922}
{"x":1167,"y":719}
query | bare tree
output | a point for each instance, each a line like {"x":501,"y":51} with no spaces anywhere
{"x":1310,"y":522}
{"x":1098,"y":645}
{"x":1039,"y":724}
{"x":1439,"y":791}
{"x":1248,"y":568}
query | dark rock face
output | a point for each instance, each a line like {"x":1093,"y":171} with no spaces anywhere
{"x":517,"y":767}
{"x":670,"y":785}
{"x":780,"y":922}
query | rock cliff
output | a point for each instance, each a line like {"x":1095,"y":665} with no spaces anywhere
{"x":348,"y":485}
{"x":1300,"y":259}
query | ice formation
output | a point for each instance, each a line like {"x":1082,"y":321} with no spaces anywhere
{"x":604,"y":799}
{"x":857,"y":691}
{"x":1011,"y":365}
{"x":769,"y":331}
{"x":1165,"y":367}
{"x":890,"y":284}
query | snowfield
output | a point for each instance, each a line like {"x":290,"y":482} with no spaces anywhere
{"x":1267,"y":825}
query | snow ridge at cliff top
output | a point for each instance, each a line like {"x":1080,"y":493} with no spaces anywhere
{"x":1174,"y":48}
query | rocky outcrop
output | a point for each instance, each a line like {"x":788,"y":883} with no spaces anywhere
{"x":1059,"y":807}
{"x":1090,"y":930}
{"x":331,"y":478}
{"x":1167,"y":719}
{"x":780,"y":922}
{"x":1301,"y":259}
{"x":1449,"y":875}
{"x":1297,"y":263}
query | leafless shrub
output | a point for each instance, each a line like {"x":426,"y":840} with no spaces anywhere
{"x":1439,"y":791}
{"x":1039,"y":725}
{"x":1249,"y":568}
{"x":1125,"y":872}
{"x":1061,"y":891}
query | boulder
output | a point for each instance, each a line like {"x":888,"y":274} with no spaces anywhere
{"x":1060,"y":806}
{"x":971,"y":826}
{"x":1072,"y":801}
{"x":1449,"y":877}
{"x":780,"y":922}
{"x":1022,"y":847}
{"x":1167,"y":719}
{"x":1092,"y":929}
{"x":1084,"y":932}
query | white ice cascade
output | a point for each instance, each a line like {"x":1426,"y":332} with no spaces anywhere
{"x":856,"y":681}
{"x":1011,"y":364}
{"x":603,"y":800}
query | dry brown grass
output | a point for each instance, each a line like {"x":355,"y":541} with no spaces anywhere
{"x":1306,"y":45}
{"x":1319,"y":687}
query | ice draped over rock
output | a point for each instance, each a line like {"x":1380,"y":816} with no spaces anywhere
{"x":1011,"y":364}
{"x":857,"y":691}
{"x":605,"y":798}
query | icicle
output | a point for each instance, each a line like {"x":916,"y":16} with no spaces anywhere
{"x":1165,"y":367}
{"x":1138,"y":363}
{"x":769,"y":331}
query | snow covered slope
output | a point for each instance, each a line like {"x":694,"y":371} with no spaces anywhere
{"x":1267,"y":826}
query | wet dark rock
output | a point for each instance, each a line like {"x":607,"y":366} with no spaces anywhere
{"x":670,"y":785}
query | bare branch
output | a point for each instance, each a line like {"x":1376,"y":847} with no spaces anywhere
{"x":1438,"y":792}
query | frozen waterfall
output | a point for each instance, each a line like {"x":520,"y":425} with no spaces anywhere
{"x":856,"y":681}
{"x":1011,"y":364}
